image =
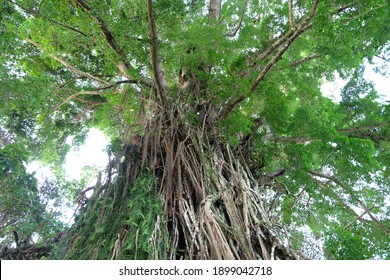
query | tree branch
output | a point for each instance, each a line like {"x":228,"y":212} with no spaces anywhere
{"x":364,"y":128}
{"x":265,"y":54}
{"x":283,"y":139}
{"x":75,"y":95}
{"x":157,"y":69}
{"x":37,"y":14}
{"x":239,"y":23}
{"x":305,"y":59}
{"x":278,"y":56}
{"x":71,"y":68}
{"x":148,"y":85}
{"x":285,"y":42}
{"x":123,"y":64}
{"x":215,"y":9}
{"x":383,"y":58}
{"x":345,"y":7}
{"x":337,"y":182}
{"x":290,"y":14}
{"x":358,"y":218}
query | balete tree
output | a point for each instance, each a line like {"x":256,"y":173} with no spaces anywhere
{"x":222,"y":145}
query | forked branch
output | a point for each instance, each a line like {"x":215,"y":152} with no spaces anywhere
{"x":283,"y":44}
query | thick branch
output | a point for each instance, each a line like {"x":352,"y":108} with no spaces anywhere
{"x":284,"y":38}
{"x":285,"y":42}
{"x":107,"y":35}
{"x":313,"y":10}
{"x":266,"y":54}
{"x":71,"y":68}
{"x":215,"y":9}
{"x":278,"y":56}
{"x":157,"y":70}
{"x":264,"y":72}
{"x":290,"y":14}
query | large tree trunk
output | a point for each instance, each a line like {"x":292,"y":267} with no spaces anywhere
{"x":212,"y":208}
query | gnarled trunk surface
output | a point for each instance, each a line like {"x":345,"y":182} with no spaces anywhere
{"x":211,"y":205}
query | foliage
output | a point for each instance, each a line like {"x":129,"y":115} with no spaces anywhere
{"x":225,"y":110}
{"x":95,"y":233}
{"x":30,"y":211}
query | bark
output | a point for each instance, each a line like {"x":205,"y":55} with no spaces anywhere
{"x":213,"y":207}
{"x":290,"y":13}
{"x":215,"y":9}
{"x":158,"y":73}
{"x":123,"y":63}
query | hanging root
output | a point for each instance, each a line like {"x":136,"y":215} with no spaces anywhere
{"x":212,"y":210}
{"x":180,"y":193}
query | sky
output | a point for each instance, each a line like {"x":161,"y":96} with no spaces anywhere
{"x":382,"y":84}
{"x":90,"y":153}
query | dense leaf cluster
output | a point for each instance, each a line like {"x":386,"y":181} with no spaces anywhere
{"x":67,"y":66}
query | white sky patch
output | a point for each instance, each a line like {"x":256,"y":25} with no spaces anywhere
{"x":41,"y":172}
{"x":90,"y":153}
{"x":332,"y":89}
{"x":382,"y":84}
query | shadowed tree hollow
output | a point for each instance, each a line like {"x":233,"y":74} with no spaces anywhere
{"x":222,"y":145}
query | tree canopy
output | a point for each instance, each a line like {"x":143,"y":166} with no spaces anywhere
{"x":222,"y":145}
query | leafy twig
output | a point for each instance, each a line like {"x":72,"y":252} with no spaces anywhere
{"x":285,"y":42}
{"x":107,"y":35}
{"x":239,"y":25}
{"x":364,"y":128}
{"x":337,"y":182}
{"x":70,"y":67}
{"x":37,"y":14}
